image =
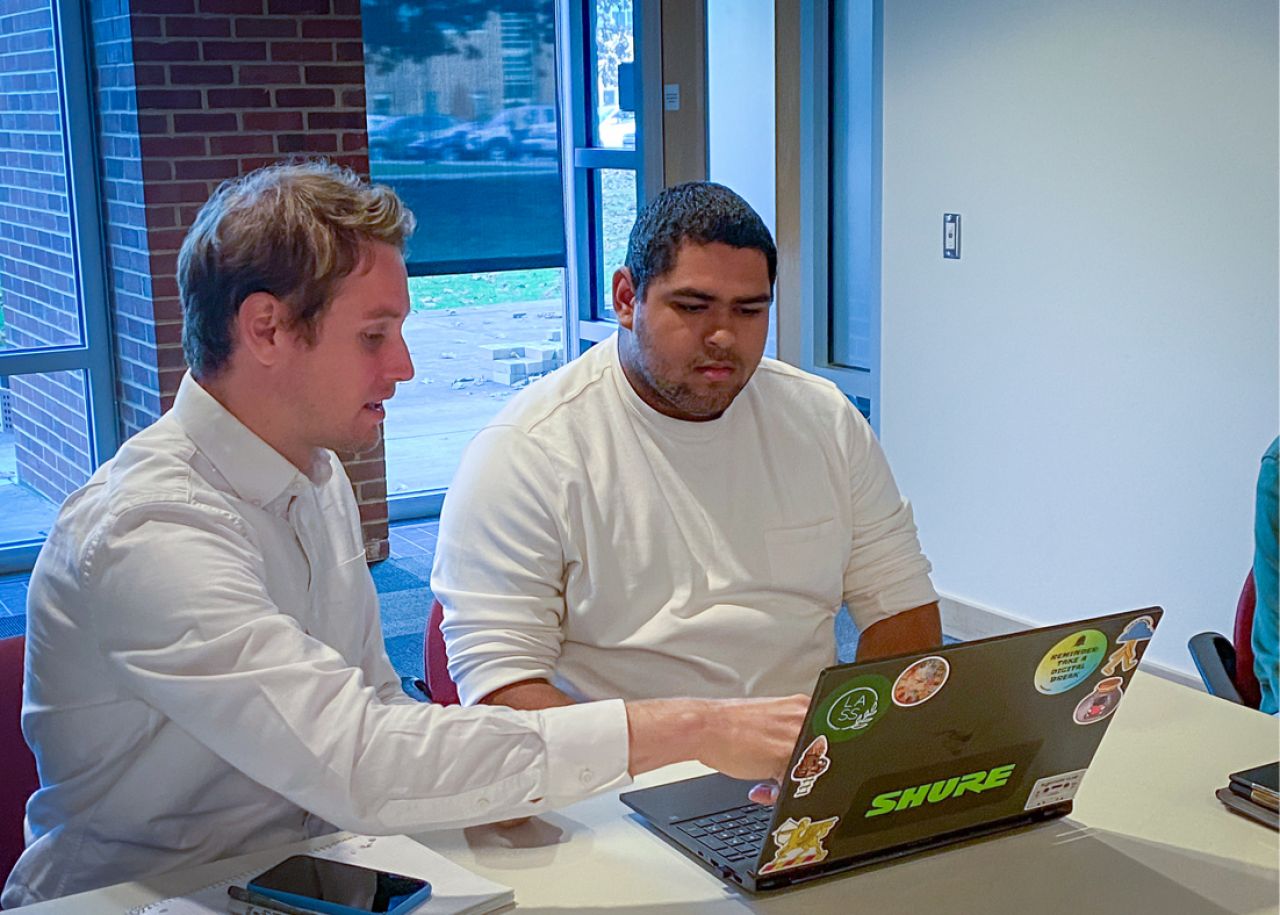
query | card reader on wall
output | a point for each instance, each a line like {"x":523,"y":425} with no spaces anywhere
{"x":951,"y":236}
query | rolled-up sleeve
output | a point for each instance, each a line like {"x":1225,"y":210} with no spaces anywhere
{"x":886,"y":572}
{"x":499,"y":567}
{"x":186,"y":625}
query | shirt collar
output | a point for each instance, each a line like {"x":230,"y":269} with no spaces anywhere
{"x":256,"y":471}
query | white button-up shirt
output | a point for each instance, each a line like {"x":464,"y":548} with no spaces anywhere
{"x":206,"y":675}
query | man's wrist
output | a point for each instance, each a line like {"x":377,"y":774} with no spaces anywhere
{"x":665,"y":731}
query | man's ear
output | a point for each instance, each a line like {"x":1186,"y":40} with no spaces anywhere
{"x":261,"y":327}
{"x":624,"y":297}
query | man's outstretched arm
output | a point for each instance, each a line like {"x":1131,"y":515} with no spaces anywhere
{"x":911,"y":630}
{"x":528,"y":694}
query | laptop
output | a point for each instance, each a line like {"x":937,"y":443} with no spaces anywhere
{"x":905,"y":754}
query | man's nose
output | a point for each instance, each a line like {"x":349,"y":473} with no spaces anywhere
{"x":721,"y":337}
{"x":401,"y":367}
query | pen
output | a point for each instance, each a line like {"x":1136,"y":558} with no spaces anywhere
{"x":257,"y":904}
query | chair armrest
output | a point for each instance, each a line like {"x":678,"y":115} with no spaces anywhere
{"x":1215,"y":658}
{"x":415,"y":689}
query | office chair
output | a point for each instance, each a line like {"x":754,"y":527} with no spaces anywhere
{"x":18,"y":765}
{"x":1227,"y":666}
{"x":435,"y":663}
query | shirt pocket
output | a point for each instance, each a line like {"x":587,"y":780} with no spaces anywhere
{"x":808,"y":560}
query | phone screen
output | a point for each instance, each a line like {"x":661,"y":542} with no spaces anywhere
{"x":338,"y":883}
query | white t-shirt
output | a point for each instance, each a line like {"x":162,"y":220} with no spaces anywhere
{"x":590,"y":540}
{"x":206,"y":676}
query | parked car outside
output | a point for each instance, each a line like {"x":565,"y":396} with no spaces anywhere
{"x":416,"y":136}
{"x":525,"y":130}
{"x":617,"y":128}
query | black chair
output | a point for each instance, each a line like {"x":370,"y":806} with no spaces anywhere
{"x":1226,"y":666}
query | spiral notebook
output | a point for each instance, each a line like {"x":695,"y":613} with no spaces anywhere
{"x":454,"y":889}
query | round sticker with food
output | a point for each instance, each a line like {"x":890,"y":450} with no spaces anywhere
{"x":921,"y":681}
{"x":1101,"y":702}
{"x":1070,"y":662}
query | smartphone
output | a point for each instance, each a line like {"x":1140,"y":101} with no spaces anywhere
{"x":338,"y":888}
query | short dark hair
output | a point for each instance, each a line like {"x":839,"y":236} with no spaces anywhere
{"x":294,"y":230}
{"x":701,"y":212}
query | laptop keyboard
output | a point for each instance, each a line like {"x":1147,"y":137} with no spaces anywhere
{"x":736,"y":835}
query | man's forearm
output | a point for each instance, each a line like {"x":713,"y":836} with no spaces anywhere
{"x":528,"y":694}
{"x":911,"y":630}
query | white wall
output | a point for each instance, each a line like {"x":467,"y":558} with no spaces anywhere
{"x":740,"y":100}
{"x":1077,"y":407}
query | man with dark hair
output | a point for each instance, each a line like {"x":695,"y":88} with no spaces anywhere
{"x":205,"y":673}
{"x":670,"y":514}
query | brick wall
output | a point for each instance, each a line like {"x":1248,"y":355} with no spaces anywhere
{"x":193,"y":92}
{"x":37,"y":262}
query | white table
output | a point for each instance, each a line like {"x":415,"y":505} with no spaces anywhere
{"x":1147,"y":835}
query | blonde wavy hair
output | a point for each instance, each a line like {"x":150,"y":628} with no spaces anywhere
{"x":294,"y":230}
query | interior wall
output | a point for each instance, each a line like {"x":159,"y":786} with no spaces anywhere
{"x":740,"y":100}
{"x":1077,"y":406}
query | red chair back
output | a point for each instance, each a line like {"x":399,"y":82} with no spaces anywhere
{"x":18,"y":778}
{"x":1246,"y":679}
{"x":435,"y":662}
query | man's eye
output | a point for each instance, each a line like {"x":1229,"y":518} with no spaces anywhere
{"x":689,"y":308}
{"x":373,"y":337}
{"x":753,"y":312}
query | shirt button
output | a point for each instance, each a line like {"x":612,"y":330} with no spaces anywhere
{"x":586,"y":776}
{"x":482,"y":803}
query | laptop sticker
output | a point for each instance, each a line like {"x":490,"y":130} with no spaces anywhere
{"x":799,"y":842}
{"x":1126,"y":656}
{"x":1054,"y":789}
{"x":1100,"y":703}
{"x":813,"y":763}
{"x":1070,"y":662}
{"x":853,"y":708}
{"x":921,"y":681}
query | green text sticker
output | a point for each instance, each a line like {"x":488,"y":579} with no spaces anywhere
{"x":1070,"y":661}
{"x":853,"y":707}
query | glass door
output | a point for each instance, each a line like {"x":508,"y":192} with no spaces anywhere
{"x":611,"y":93}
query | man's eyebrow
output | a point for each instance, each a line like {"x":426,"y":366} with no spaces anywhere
{"x":381,"y":312}
{"x":690,"y":292}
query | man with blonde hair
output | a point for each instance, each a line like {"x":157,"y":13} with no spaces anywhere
{"x":206,"y":674}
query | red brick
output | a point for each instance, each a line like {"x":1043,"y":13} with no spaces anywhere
{"x":336,"y":120}
{"x":302,"y":51}
{"x":207,"y":169}
{"x":330,"y":76}
{"x":137,"y":7}
{"x":162,"y":217}
{"x":331,"y":28}
{"x":354,"y":142}
{"x":350,"y":51}
{"x":239,"y":98}
{"x":153,"y":123}
{"x":253,"y":163}
{"x":170,"y":239}
{"x":304,"y":98}
{"x":298,"y":7}
{"x":196,"y":27}
{"x":150,"y":75}
{"x":146,"y":27}
{"x":235,"y":50}
{"x":165,"y":286}
{"x":353,"y":98}
{"x":169,"y":333}
{"x":272,"y":120}
{"x":234,"y":7}
{"x":156,"y":170}
{"x":166,"y":50}
{"x":373,"y":512}
{"x":373,"y":492}
{"x":220,"y":122}
{"x":200,"y":75}
{"x":169,"y":99}
{"x":165,"y":263}
{"x":169,"y":147}
{"x":240,"y":145}
{"x":307,"y":143}
{"x":346,"y":8}
{"x":187,"y":215}
{"x":267,"y":28}
{"x":176,"y":192}
{"x":269,"y":75}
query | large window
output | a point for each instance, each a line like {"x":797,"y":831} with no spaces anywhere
{"x":56,"y":406}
